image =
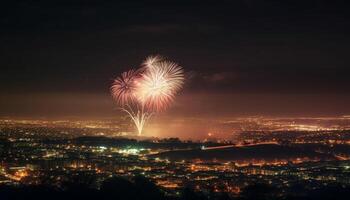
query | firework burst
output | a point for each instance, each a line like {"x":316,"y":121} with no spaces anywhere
{"x":123,"y":88}
{"x":148,"y":90}
{"x":159,"y":85}
{"x":151,"y":60}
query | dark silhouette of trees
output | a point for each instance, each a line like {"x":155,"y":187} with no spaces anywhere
{"x":147,"y":189}
{"x":189,"y":193}
{"x":258,"y":192}
{"x":118,"y":188}
{"x":139,"y":188}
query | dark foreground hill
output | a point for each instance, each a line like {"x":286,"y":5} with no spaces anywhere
{"x":266,"y":152}
{"x":141,"y":188}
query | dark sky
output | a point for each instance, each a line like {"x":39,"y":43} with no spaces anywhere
{"x":244,"y":57}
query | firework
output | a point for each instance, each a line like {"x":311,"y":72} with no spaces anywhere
{"x":150,"y":89}
{"x":159,"y":84}
{"x":123,"y":88}
{"x":151,"y":60}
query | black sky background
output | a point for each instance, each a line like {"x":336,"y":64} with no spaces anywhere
{"x":243,"y":57}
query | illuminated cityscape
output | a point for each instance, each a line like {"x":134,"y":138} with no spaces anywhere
{"x":279,"y":152}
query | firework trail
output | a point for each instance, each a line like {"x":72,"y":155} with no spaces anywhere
{"x":150,"y":89}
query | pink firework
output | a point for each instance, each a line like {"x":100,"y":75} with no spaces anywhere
{"x":123,"y":87}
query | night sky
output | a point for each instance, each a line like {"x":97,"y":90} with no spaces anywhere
{"x":250,"y":57}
